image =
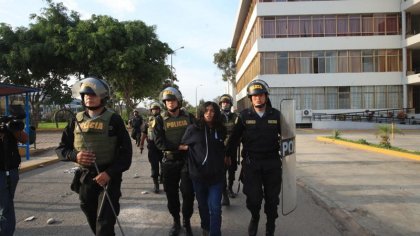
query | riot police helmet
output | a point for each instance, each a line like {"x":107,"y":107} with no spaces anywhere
{"x":171,"y":93}
{"x":154,"y":105}
{"x":226,"y":98}
{"x":92,"y":85}
{"x":257,"y":87}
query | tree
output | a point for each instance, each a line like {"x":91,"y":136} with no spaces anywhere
{"x":127,"y":54}
{"x":384,"y":132}
{"x":225,"y":61}
{"x":35,"y":56}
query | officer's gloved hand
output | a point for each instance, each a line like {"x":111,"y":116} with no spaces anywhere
{"x":16,"y":125}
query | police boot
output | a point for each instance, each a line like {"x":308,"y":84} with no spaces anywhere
{"x":253,"y":225}
{"x":156,"y":183}
{"x":225,"y":198}
{"x":187,"y":225}
{"x":230,"y":190}
{"x":176,"y":227}
{"x":270,"y":227}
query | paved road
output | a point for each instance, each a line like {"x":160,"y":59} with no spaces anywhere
{"x":45,"y":193}
{"x":342,"y":191}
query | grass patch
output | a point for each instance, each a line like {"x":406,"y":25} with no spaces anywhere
{"x":364,"y":142}
{"x":51,"y":125}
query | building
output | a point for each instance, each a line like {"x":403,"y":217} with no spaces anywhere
{"x":330,"y":56}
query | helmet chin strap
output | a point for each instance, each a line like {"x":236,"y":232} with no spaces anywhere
{"x":260,"y":105}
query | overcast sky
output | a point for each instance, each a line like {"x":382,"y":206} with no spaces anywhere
{"x":201,"y":26}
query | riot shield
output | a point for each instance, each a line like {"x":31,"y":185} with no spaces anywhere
{"x":287,"y":149}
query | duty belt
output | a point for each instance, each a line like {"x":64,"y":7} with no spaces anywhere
{"x":173,"y":155}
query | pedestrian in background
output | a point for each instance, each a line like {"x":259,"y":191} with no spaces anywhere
{"x":136,"y":123}
{"x":154,"y":154}
{"x":206,"y":159}
{"x":99,"y":137}
{"x":258,"y":127}
{"x":11,"y":133}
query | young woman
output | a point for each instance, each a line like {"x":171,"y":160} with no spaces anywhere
{"x":204,"y":141}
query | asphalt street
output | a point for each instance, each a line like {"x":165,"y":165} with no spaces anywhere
{"x":341,"y":191}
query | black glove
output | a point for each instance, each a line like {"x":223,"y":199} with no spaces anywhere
{"x":16,"y":125}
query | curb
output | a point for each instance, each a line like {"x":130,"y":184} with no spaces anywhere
{"x":370,"y":148}
{"x":36,"y":165}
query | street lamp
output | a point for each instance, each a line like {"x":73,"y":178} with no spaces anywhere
{"x":172,"y":73}
{"x":196,"y":100}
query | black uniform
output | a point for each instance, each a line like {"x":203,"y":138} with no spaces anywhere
{"x":261,"y":164}
{"x":92,"y":195}
{"x":136,"y":123}
{"x":229,"y":119}
{"x":154,"y":154}
{"x":168,"y":134}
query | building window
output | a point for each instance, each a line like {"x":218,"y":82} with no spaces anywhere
{"x":330,"y":25}
{"x":343,"y":97}
{"x":367,"y":61}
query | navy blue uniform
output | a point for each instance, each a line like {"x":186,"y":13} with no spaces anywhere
{"x":261,"y":164}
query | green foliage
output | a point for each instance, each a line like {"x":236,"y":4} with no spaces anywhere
{"x":51,"y":125}
{"x":225,"y":61}
{"x":336,"y":134}
{"x":58,"y":44}
{"x":363,"y":141}
{"x":384,"y":132}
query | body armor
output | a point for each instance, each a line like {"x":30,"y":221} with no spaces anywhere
{"x":95,"y":135}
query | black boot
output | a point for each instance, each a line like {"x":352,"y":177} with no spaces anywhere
{"x":253,"y":225}
{"x":187,"y":225}
{"x":230,"y":190}
{"x":156,"y":185}
{"x":270,"y":227}
{"x":176,"y":227}
{"x":225,"y":198}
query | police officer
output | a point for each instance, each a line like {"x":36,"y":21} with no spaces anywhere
{"x":11,"y":132}
{"x":258,"y":128}
{"x":168,"y":131}
{"x":229,"y":117}
{"x":154,"y":154}
{"x":99,"y":136}
{"x":136,"y":123}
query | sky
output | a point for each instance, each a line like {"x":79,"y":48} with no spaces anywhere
{"x":202,"y":27}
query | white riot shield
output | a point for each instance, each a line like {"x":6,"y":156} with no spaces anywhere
{"x":287,"y":152}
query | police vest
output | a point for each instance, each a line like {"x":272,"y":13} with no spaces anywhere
{"x":229,"y":123}
{"x":150,"y":125}
{"x":94,"y":134}
{"x":175,"y":127}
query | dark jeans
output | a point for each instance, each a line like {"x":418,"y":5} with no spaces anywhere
{"x":176,"y":177}
{"x":7,"y":208}
{"x":209,"y":198}
{"x":155,"y":158}
{"x":262,"y":179}
{"x":92,"y":196}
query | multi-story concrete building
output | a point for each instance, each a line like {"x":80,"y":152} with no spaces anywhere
{"x":331,"y":56}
